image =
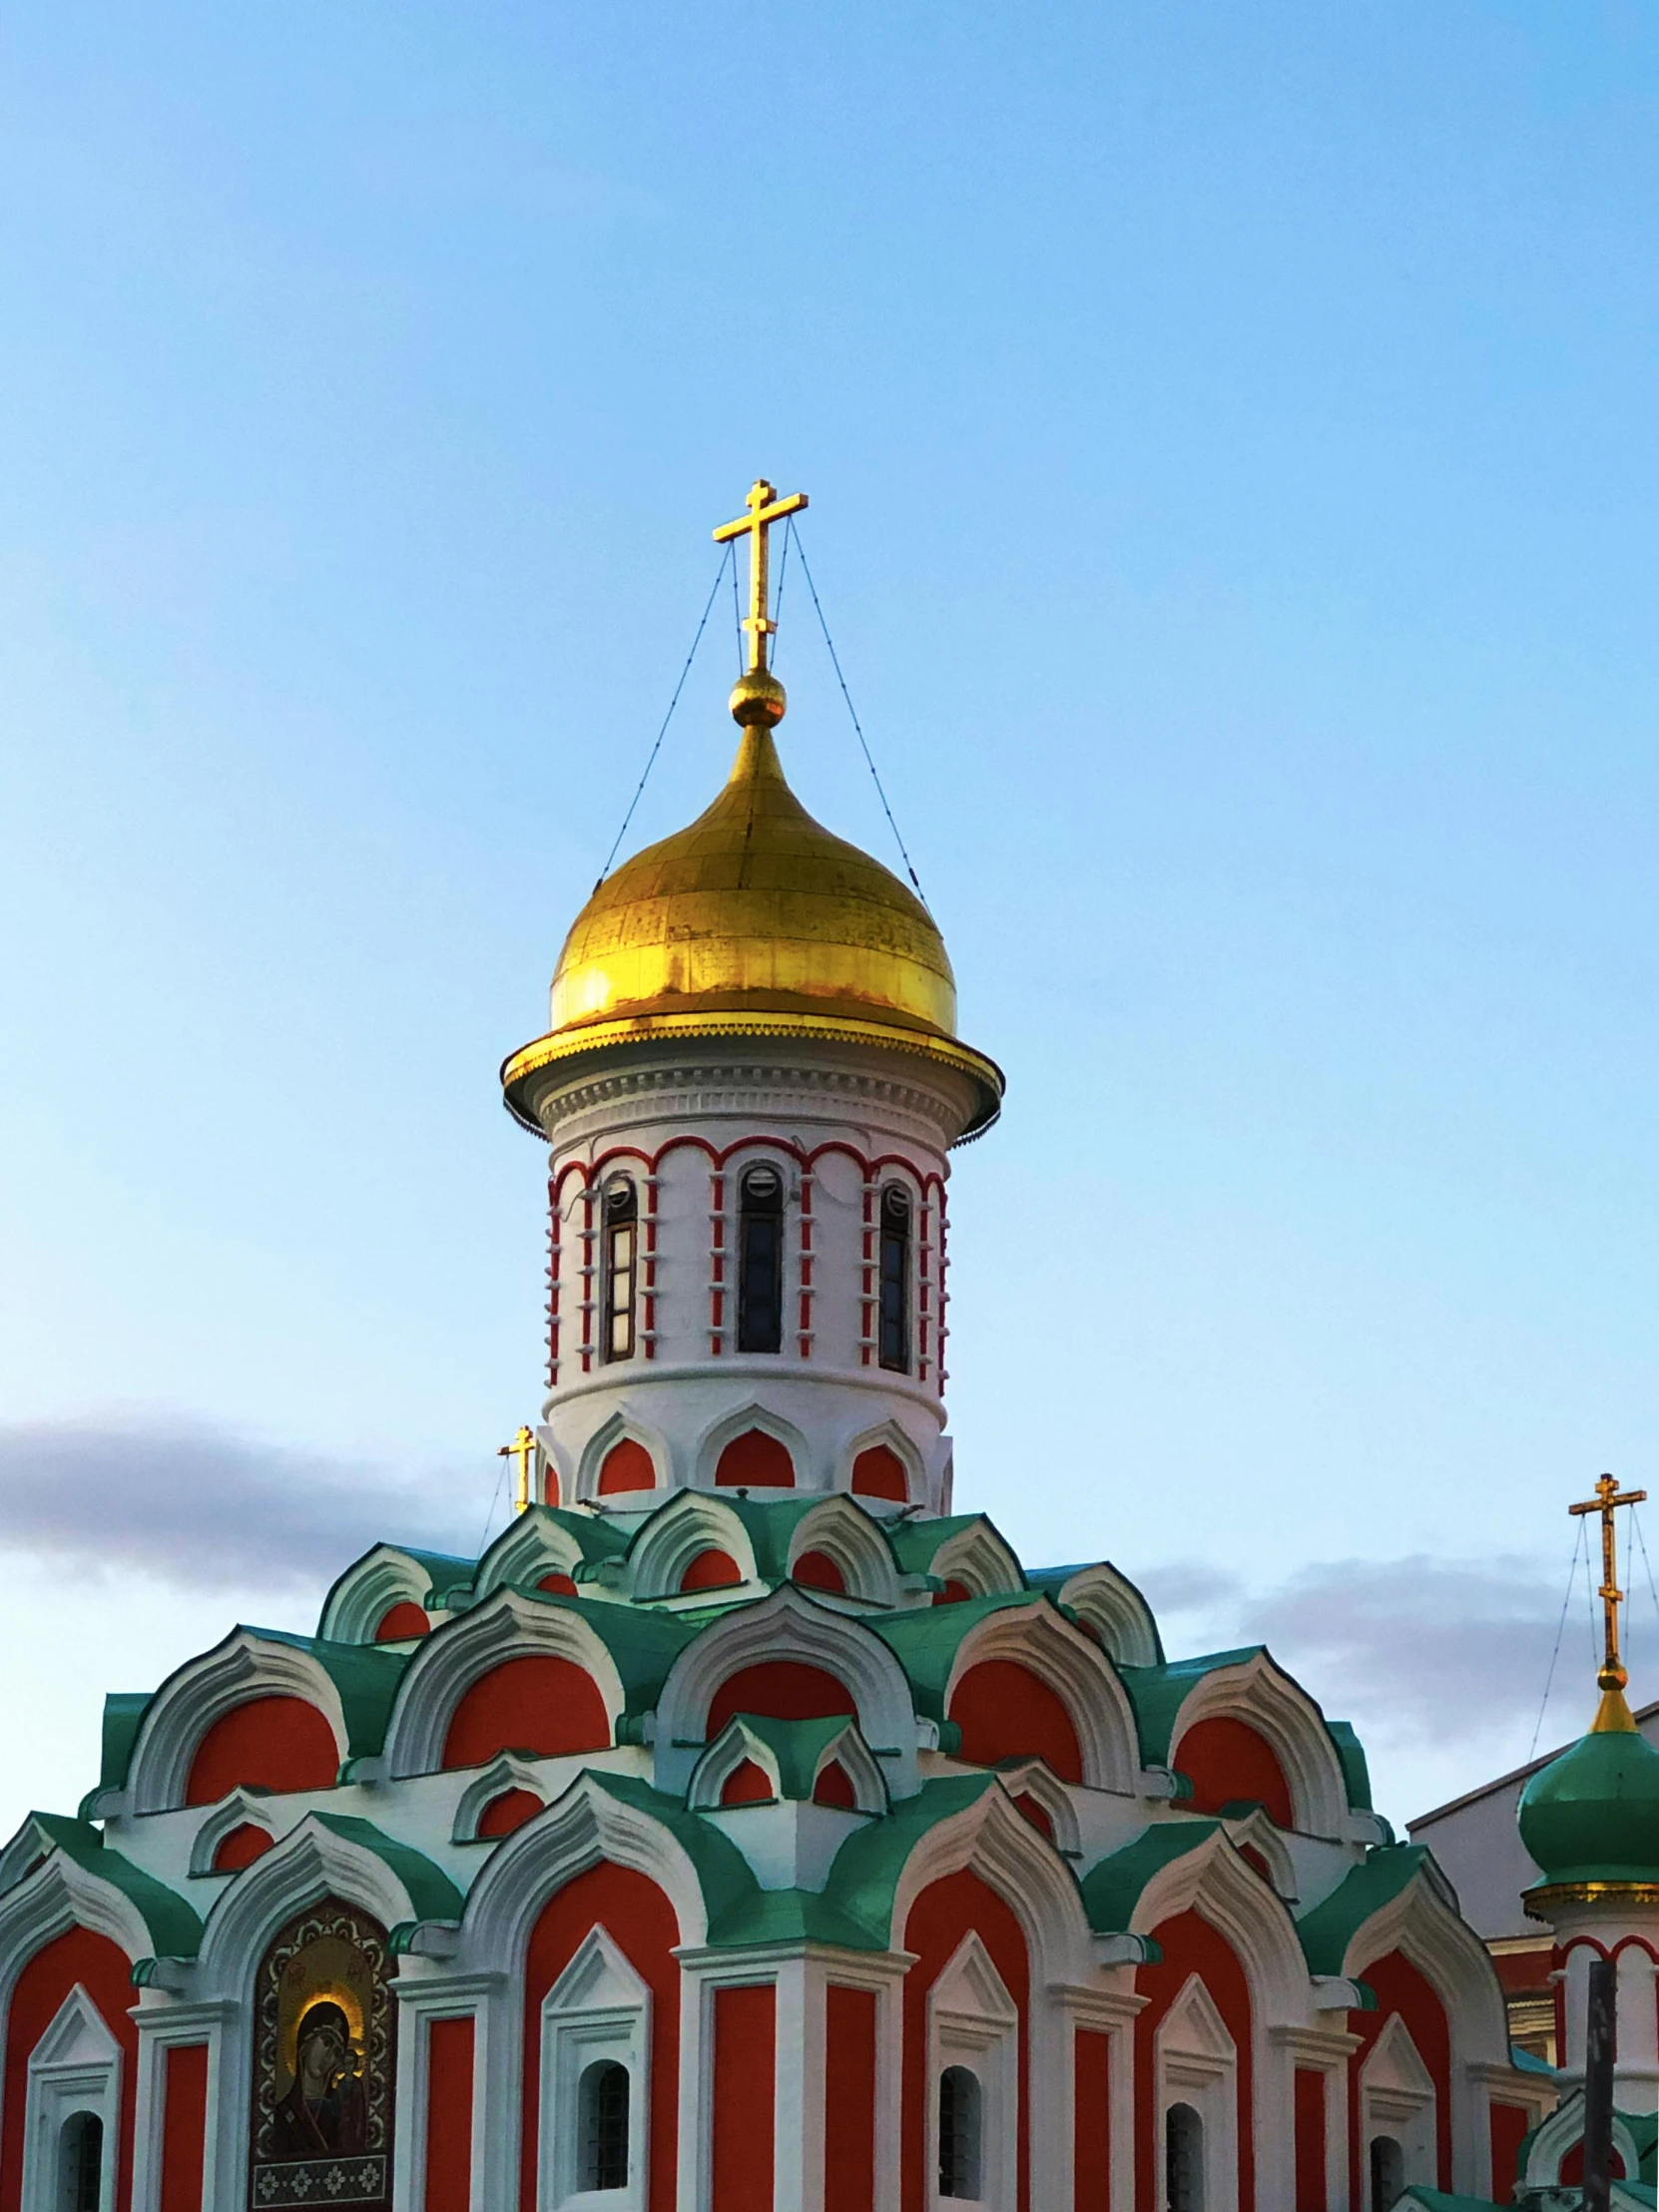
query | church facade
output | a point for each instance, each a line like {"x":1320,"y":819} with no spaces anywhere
{"x":748,"y":1830}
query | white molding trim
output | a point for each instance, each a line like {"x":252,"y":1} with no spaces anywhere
{"x":244,"y":1667}
{"x":1397,"y":2098}
{"x":738,"y":1422}
{"x":597,"y":2009}
{"x":242,"y":1809}
{"x":529,"y":1547}
{"x":383,"y":1577}
{"x":508,"y":1772}
{"x":623,"y":1426}
{"x":843,"y":1531}
{"x":1262,"y":1694}
{"x":312,"y":1862}
{"x":74,"y":2067}
{"x":1116,"y":1610}
{"x":973,"y":2023}
{"x":1196,"y":2063}
{"x":692,"y":1523}
{"x":787,"y":1625}
{"x":1040,"y":1639}
{"x":993,"y":1841}
{"x":1213,"y":1879}
{"x":978,"y":1557}
{"x":506,"y":1626}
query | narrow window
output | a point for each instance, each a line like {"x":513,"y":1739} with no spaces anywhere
{"x":81,"y":2164}
{"x":622,"y":1230}
{"x":896,"y":1278}
{"x":1183,"y":2159}
{"x":603,"y":2125}
{"x":960,"y":2121}
{"x":1387,"y":2172}
{"x":760,"y":1261}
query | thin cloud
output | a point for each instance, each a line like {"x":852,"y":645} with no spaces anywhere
{"x":198,"y":1507}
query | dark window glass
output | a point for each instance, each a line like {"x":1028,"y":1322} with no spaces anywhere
{"x":1387,"y":2172}
{"x":1183,"y":2159}
{"x":760,"y":1261}
{"x":960,"y":2124}
{"x":896,"y":1278}
{"x":81,"y":2164}
{"x":603,"y":2122}
{"x":621,"y":1233}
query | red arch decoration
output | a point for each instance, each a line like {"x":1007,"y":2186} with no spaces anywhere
{"x":953,"y":1593}
{"x":1005,"y":1712}
{"x":1228,"y":1762}
{"x":834,"y":1787}
{"x":1192,"y":1946}
{"x":1400,"y":1989}
{"x":815,"y":1570}
{"x":747,"y":1784}
{"x":641,"y":1923}
{"x":104,"y":1971}
{"x":270,"y":1743}
{"x":780,"y":1690}
{"x":756,"y":1460}
{"x":406,"y":1619}
{"x":244,"y":1843}
{"x":939,"y":1919}
{"x":508,"y":1810}
{"x":627,"y":1466}
{"x":1031,"y":1809}
{"x":879,"y":1473}
{"x":712,"y":1569}
{"x":557,"y":1584}
{"x":540,"y":1705}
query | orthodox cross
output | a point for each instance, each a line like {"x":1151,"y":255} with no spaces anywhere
{"x":1607,"y":1499}
{"x":765,"y":508}
{"x":521,"y":1449}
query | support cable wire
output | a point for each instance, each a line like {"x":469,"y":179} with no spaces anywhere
{"x":835,"y":661}
{"x":1653,"y":1589}
{"x":1560,"y":1630}
{"x":497,"y":1498}
{"x":651,"y":760}
{"x":736,"y":606}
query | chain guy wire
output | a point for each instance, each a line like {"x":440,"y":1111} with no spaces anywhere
{"x":726,"y":561}
{"x":496,"y":1499}
{"x":783,"y":579}
{"x":835,"y":661}
{"x":737,"y":603}
{"x":1560,"y":1630}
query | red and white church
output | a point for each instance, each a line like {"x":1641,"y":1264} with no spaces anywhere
{"x":748,"y":1830}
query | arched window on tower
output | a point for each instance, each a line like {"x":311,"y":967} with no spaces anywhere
{"x":621,"y":1254}
{"x":961,"y":2125}
{"x":760,"y":1261}
{"x":1183,"y":2159}
{"x":895,"y":1279}
{"x":602,"y":2120}
{"x":1387,"y":2172}
{"x":81,"y":2164}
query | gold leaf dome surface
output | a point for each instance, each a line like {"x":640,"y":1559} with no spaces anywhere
{"x":755,"y":907}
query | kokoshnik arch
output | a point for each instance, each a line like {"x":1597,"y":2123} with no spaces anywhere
{"x":746,"y":1830}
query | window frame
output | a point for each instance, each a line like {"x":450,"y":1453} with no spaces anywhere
{"x":599,"y":2009}
{"x":754,"y":1212}
{"x":619,"y":1217}
{"x":894,"y":1316}
{"x":973,"y":2023}
{"x":75,"y":2067}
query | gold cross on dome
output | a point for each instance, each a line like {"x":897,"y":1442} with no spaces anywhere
{"x":1606,"y":1501}
{"x":765,"y":508}
{"x":522,"y":1448}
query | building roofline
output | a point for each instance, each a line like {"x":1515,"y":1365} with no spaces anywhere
{"x":1515,"y":1774}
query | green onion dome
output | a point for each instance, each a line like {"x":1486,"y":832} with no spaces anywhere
{"x":1592,"y":1816}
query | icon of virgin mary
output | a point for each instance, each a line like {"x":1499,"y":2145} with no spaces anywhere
{"x":323,"y":2109}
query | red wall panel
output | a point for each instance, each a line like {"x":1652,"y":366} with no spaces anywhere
{"x":744,"y":2097}
{"x":1191,"y":1945}
{"x":270,"y":1743}
{"x":640,"y":1921}
{"x":939,"y":1919}
{"x":780,"y":1690}
{"x":449,"y":2115}
{"x":1004,"y":1712}
{"x":543,"y":1705}
{"x":105,"y":1972}
{"x":1091,"y":2124}
{"x":1400,"y":1989}
{"x":1225,"y":1761}
{"x":1511,"y":2124}
{"x":1310,"y":2139}
{"x":850,"y":2099}
{"x":184,"y":2126}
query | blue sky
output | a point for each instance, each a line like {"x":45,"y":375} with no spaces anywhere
{"x":1233,"y":451}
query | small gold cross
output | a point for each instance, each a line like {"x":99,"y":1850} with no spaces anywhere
{"x":765,"y":508}
{"x":1607,"y":1499}
{"x":522,"y":1448}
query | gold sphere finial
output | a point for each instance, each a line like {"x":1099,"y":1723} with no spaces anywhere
{"x":1614,"y":1676}
{"x":757,"y":698}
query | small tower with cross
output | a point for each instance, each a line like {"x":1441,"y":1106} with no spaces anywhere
{"x":1590,"y":1822}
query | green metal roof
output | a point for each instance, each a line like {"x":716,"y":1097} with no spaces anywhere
{"x":866,"y":1870}
{"x":1330,"y":1927}
{"x":432,"y":1892}
{"x":175,"y":1931}
{"x":1112,"y":1888}
{"x":1592,"y":1814}
{"x":925,"y":1642}
{"x":796,"y":1746}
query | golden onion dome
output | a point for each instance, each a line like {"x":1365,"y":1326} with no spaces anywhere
{"x":754,"y":921}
